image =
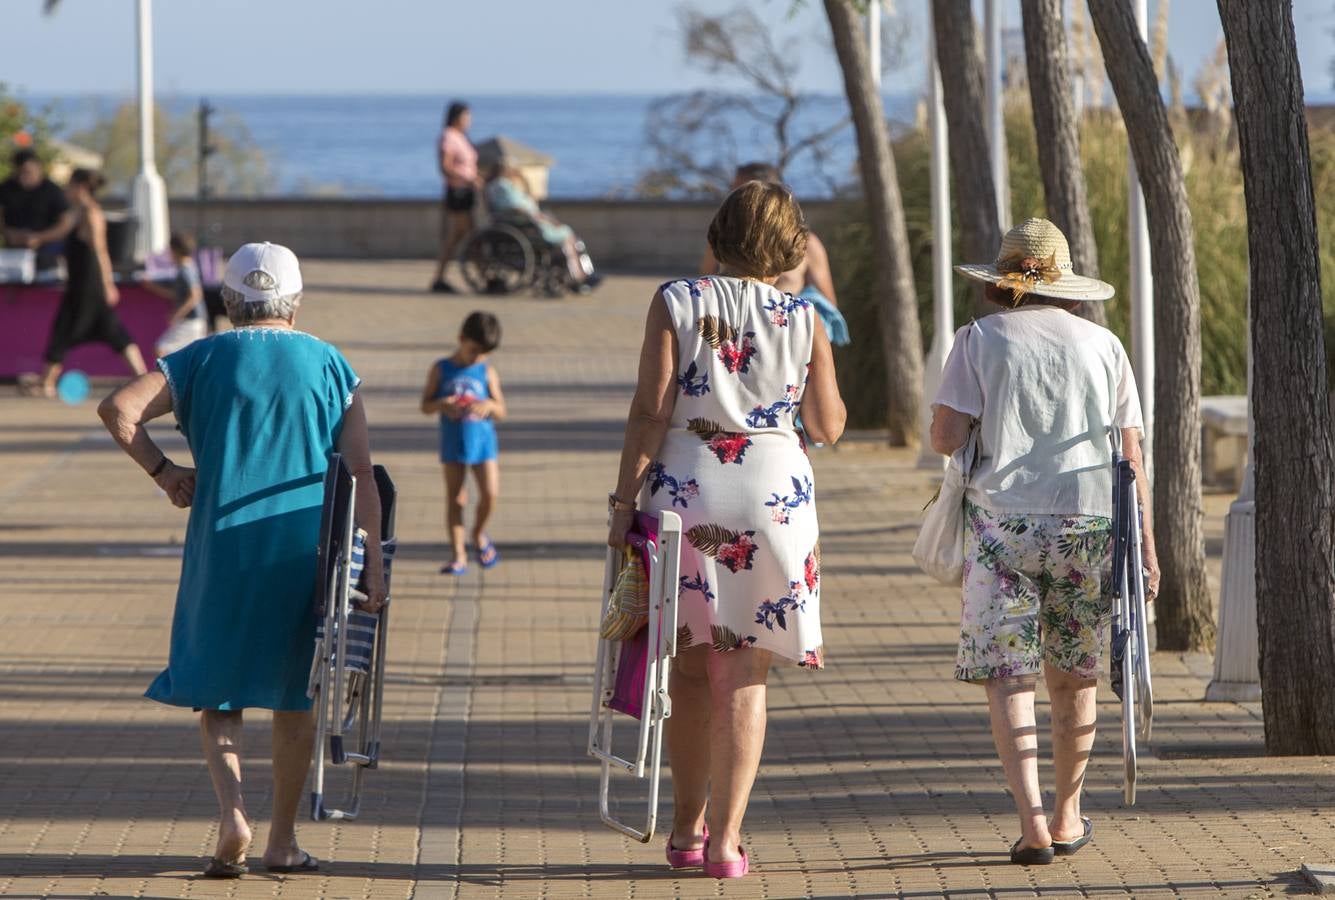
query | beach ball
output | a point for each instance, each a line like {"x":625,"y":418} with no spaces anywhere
{"x":72,"y":387}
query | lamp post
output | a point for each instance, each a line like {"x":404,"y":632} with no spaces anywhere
{"x":149,"y":193}
{"x":996,"y":118}
{"x":943,"y":313}
{"x":1142,"y":287}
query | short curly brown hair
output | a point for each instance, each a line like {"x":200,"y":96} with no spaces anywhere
{"x":759,"y":230}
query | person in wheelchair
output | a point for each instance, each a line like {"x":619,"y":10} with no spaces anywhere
{"x":509,"y":200}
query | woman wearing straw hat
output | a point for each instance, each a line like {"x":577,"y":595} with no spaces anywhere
{"x":1044,"y":388}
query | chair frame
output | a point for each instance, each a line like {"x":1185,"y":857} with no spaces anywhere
{"x":344,"y":702}
{"x":665,"y":565}
{"x":1130,"y":634}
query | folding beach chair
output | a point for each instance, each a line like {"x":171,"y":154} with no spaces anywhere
{"x":1130,"y":636}
{"x":631,"y":676}
{"x":347,"y":679}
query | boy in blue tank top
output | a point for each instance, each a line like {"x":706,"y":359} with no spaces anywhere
{"x":466,"y":393}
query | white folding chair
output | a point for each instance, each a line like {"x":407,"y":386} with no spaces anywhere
{"x":347,"y":681}
{"x":621,"y":665}
{"x":1130,"y":634}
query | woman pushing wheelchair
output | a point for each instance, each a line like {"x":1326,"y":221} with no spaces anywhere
{"x":1043,"y":388}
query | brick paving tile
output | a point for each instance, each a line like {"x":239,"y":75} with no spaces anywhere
{"x":878,"y":777}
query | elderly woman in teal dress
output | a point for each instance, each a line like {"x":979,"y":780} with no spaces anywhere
{"x":262,"y":407}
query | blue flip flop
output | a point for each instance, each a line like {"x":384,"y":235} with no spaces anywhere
{"x":488,"y":556}
{"x":454,"y":568}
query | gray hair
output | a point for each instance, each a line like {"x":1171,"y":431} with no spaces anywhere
{"x":242,"y":312}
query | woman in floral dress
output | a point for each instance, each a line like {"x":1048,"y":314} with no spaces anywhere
{"x":727,"y":364}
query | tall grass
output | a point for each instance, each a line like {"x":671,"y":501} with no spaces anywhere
{"x":1215,"y":192}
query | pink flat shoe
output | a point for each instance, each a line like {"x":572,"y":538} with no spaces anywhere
{"x":733,"y":868}
{"x":686,"y":859}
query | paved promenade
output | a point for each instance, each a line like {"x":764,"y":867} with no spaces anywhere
{"x":878,"y":777}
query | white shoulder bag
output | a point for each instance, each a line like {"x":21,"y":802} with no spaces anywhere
{"x":939,"y":549}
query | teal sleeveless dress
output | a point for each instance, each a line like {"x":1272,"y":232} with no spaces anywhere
{"x":262,"y":410}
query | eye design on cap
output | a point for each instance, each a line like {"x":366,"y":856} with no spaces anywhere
{"x":259,"y":280}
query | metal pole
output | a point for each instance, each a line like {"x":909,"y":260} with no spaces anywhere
{"x":1142,"y":286}
{"x":943,"y":313}
{"x":149,"y":193}
{"x":874,"y":41}
{"x":996,"y":118}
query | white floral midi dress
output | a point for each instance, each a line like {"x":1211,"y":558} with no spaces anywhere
{"x":734,"y":467}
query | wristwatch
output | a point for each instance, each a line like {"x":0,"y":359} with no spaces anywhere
{"x":616,"y":504}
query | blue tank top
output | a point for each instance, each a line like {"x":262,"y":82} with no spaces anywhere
{"x":469,"y":440}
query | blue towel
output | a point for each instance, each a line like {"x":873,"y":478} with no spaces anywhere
{"x":835,"y":325}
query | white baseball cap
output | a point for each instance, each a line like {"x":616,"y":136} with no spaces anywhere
{"x":263,"y":272}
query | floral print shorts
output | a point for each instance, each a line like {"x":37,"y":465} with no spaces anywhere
{"x":1036,"y":589}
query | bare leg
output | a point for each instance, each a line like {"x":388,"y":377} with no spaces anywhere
{"x":1073,"y":714}
{"x":488,"y":477}
{"x":1011,"y":703}
{"x":456,"y":496}
{"x":736,"y":737}
{"x":688,"y":746}
{"x":572,"y":261}
{"x":220,"y":737}
{"x":134,"y":359}
{"x":50,"y":375}
{"x":292,"y":737}
{"x":460,"y":226}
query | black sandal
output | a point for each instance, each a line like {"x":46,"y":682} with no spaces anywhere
{"x":1031,"y":856}
{"x":1068,"y":848}
{"x":218,"y":868}
{"x":308,"y":864}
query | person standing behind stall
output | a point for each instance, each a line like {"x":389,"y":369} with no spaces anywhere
{"x":458,"y":165}
{"x":35,"y":210}
{"x":86,"y":313}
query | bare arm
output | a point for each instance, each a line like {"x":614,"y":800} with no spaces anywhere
{"x":823,"y":412}
{"x":431,"y":404}
{"x":650,"y":411}
{"x":126,"y":411}
{"x":708,"y":264}
{"x":64,"y":225}
{"x":494,"y":407}
{"x":354,"y":442}
{"x":97,"y":235}
{"x":950,"y":429}
{"x":1132,"y":453}
{"x":818,"y":268}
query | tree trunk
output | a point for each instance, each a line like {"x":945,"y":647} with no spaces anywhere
{"x":1295,"y":475}
{"x":1058,"y":130}
{"x":1185,"y":611}
{"x":965,"y":101}
{"x":897,"y":304}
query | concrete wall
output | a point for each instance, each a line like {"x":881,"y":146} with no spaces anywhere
{"x":625,"y":234}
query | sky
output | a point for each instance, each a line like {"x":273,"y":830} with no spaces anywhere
{"x":462,"y":47}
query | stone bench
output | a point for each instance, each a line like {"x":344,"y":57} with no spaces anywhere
{"x":1224,"y":425}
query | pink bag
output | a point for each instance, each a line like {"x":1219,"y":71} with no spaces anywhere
{"x":633,"y":660}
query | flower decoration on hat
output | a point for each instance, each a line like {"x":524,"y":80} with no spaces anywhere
{"x":1022,"y":274}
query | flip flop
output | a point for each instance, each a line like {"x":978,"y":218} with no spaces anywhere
{"x":1068,"y":848}
{"x":454,"y":568}
{"x":1031,"y":856}
{"x":487,"y":555}
{"x":308,"y":864}
{"x":218,"y":868}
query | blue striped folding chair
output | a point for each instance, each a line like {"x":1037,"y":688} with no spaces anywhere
{"x":1130,"y":646}
{"x":347,"y":679}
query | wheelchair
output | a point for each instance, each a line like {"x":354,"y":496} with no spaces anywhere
{"x":509,"y":255}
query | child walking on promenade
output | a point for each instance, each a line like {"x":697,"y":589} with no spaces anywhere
{"x":466,"y":393}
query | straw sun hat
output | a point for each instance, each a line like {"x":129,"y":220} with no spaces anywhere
{"x":1035,"y":259}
